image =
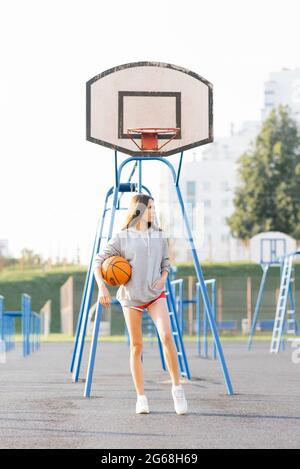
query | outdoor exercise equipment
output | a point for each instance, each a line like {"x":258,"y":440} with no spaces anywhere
{"x":30,"y":322}
{"x":283,"y":317}
{"x":141,"y":96}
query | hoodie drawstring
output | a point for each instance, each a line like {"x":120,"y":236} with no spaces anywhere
{"x":146,"y":242}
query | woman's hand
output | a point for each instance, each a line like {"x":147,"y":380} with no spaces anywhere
{"x":104,"y":296}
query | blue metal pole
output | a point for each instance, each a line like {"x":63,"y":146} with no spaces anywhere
{"x":171,"y":307}
{"x":35,"y":332}
{"x":282,"y":344}
{"x":28,"y":307}
{"x":205,"y":297}
{"x":214,"y":307}
{"x":24,"y":327}
{"x":26,"y":324}
{"x":198,"y":318}
{"x":161,"y":352}
{"x":179,"y":301}
{"x":258,"y":305}
{"x":1,"y":317}
{"x":4,"y":333}
{"x":212,"y":285}
{"x":31,"y":333}
{"x":90,"y":370}
{"x":7,"y":332}
{"x":181,"y":306}
{"x":205,"y":333}
{"x":11,"y":333}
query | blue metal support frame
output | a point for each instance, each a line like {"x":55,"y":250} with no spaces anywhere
{"x":179,"y":301}
{"x":258,"y":305}
{"x":1,"y":318}
{"x":31,"y":326}
{"x":178,"y":338}
{"x":83,"y":316}
{"x":213,"y":284}
{"x":277,"y":262}
{"x":285,"y":294}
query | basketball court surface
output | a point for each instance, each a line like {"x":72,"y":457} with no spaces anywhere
{"x":41,"y":408}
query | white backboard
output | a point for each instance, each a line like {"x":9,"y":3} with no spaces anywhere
{"x":149,"y":94}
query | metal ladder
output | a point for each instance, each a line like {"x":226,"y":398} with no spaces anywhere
{"x":291,"y":323}
{"x":176,"y":332}
{"x":282,"y":304}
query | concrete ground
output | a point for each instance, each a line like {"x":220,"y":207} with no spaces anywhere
{"x":42,"y":408}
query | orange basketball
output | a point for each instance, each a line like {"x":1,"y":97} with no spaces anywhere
{"x":116,"y":270}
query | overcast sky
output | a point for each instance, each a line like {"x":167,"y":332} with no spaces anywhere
{"x":53,"y":182}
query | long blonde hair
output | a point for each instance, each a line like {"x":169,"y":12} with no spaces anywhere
{"x":136,"y":210}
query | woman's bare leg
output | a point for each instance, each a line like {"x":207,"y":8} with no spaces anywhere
{"x":160,"y":315}
{"x":133,"y":320}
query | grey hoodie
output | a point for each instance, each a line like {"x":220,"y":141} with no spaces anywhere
{"x":148,"y":254}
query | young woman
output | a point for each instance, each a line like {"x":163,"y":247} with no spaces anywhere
{"x":145,"y":246}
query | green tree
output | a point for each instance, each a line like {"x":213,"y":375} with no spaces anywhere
{"x":268,"y":195}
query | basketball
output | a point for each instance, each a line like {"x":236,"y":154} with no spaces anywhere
{"x":116,"y":270}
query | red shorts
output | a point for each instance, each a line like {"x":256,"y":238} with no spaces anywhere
{"x":142,"y":307}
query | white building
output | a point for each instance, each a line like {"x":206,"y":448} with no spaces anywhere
{"x":283,"y":88}
{"x":209,"y":179}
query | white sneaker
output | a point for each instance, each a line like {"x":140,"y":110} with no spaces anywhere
{"x":142,"y":406}
{"x":180,"y":402}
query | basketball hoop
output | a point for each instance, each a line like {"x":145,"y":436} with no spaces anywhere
{"x":149,"y":137}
